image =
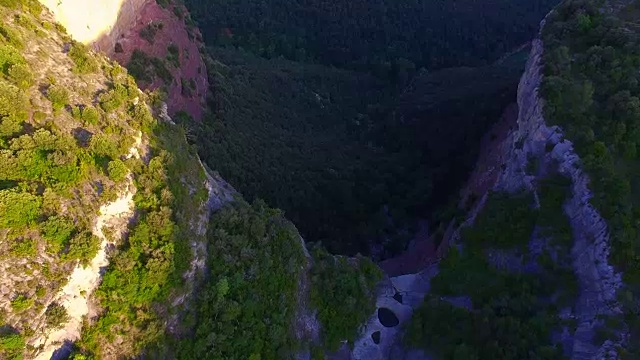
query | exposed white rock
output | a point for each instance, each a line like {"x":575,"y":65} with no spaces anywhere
{"x":401,"y":295}
{"x":74,"y":296}
{"x":98,"y":22}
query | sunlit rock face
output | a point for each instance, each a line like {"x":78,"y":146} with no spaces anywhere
{"x":98,"y":22}
{"x":107,"y":25}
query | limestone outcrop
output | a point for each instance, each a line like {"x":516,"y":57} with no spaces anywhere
{"x":598,"y":280}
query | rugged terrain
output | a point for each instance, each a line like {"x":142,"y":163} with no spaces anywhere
{"x":158,"y":43}
{"x":118,"y":242}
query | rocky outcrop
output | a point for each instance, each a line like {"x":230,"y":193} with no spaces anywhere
{"x":187,"y":89}
{"x":397,"y":298}
{"x":598,"y":281}
{"x":115,"y":28}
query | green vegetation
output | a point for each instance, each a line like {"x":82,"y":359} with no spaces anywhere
{"x":11,"y":343}
{"x":173,"y":55}
{"x":511,"y":315}
{"x":138,"y":277}
{"x":507,"y":211}
{"x":590,"y":87}
{"x":54,"y":176}
{"x":9,"y":56}
{"x":83,"y":61}
{"x":246,"y":308}
{"x":82,"y":247}
{"x":149,"y":32}
{"x":90,"y":115}
{"x":21,"y":303}
{"x":56,"y":315}
{"x":343,"y":292}
{"x":308,"y":137}
{"x":57,"y":231}
{"x":21,"y":76}
{"x":59,"y":96}
{"x":117,"y":170}
{"x":379,"y":37}
{"x":18,"y":209}
{"x":145,"y":68}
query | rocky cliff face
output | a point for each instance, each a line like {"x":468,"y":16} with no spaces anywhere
{"x":531,"y":138}
{"x":598,"y":281}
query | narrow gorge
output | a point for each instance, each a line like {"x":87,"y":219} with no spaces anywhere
{"x":300,"y":180}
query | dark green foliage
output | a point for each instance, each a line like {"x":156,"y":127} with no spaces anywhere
{"x":13,"y":102}
{"x":552,"y":193}
{"x":57,"y":231}
{"x":113,"y":99}
{"x":591,"y":91}
{"x":56,"y":315}
{"x":372,"y":35}
{"x":42,"y":156}
{"x":173,"y":55}
{"x":58,"y":95}
{"x":246,"y":308}
{"x":149,"y":32}
{"x":11,"y":36}
{"x":343,"y":292}
{"x":83,"y":60}
{"x":511,"y":315}
{"x":510,"y":318}
{"x":388,"y":148}
{"x":507,"y":211}
{"x":142,"y":118}
{"x":103,"y":145}
{"x":145,"y":68}
{"x":308,"y":137}
{"x":489,"y":333}
{"x":82,"y":247}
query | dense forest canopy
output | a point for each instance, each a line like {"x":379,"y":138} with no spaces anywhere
{"x":354,"y":140}
{"x":324,"y":145}
{"x":373,"y":34}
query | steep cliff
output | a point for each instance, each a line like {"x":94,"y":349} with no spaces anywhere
{"x":534,"y":139}
{"x":117,"y":241}
{"x":89,"y":176}
{"x":539,"y":159}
